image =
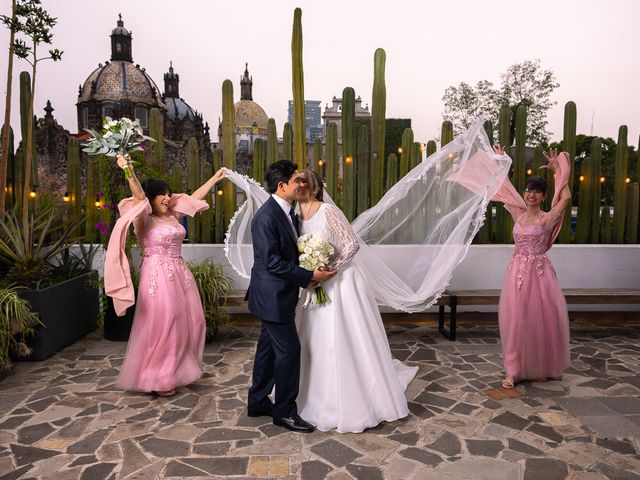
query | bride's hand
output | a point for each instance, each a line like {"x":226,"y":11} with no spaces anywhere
{"x":499,"y":149}
{"x":219,"y":175}
{"x":552,"y":159}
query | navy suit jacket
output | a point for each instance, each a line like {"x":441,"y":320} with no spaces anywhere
{"x":275,"y":276}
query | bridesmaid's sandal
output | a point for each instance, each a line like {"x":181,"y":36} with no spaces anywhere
{"x":508,"y":383}
{"x":167,"y":393}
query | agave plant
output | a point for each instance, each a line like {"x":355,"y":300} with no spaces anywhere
{"x":16,"y":322}
{"x":26,"y":250}
{"x":212,"y":285}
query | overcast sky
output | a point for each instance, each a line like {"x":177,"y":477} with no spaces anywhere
{"x":591,"y":45}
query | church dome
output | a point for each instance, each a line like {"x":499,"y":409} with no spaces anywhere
{"x":178,"y":109}
{"x":249,"y":115}
{"x":120,"y":80}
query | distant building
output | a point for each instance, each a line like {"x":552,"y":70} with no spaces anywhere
{"x":333,"y":114}
{"x":313,"y":119}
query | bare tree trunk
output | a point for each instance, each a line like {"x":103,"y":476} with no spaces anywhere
{"x":4,"y":158}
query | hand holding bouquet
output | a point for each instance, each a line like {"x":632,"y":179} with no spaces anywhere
{"x":314,"y":254}
{"x":118,"y":137}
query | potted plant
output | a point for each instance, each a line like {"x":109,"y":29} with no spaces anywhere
{"x":61,"y":293}
{"x":212,"y":285}
{"x":16,"y":324}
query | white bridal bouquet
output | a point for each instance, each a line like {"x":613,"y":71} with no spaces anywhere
{"x":315,"y":253}
{"x":118,"y":137}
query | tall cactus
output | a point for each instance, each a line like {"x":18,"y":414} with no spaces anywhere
{"x":331,"y":167}
{"x":176,"y":178}
{"x":596,"y":155}
{"x":620,"y":187}
{"x":90,"y":209}
{"x":218,"y":201}
{"x":488,"y":128}
{"x":519,"y":164}
{"x":415,"y":155}
{"x":193,"y":182}
{"x":585,"y":201}
{"x":504,"y":223}
{"x":407,"y":141}
{"x":378,"y":117}
{"x":446,"y":133}
{"x":272,"y":142}
{"x":156,"y":131}
{"x":392,"y":171}
{"x":631,"y":228}
{"x":206,"y":218}
{"x":362,"y":169}
{"x":287,"y":142}
{"x":74,"y":186}
{"x":229,"y":148}
{"x":300,"y":131}
{"x":432,"y":147}
{"x":10,"y":197}
{"x":348,"y":153}
{"x":317,"y":157}
{"x":605,"y":226}
{"x":259,"y":152}
{"x":569,"y":146}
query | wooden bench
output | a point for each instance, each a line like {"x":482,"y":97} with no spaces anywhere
{"x":574,"y":296}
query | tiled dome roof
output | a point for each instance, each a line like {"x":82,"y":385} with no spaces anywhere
{"x":249,"y":112}
{"x":121,"y":80}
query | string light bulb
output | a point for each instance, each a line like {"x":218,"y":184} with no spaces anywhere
{"x":97,"y":202}
{"x":320,"y":163}
{"x":32,"y":194}
{"x":400,"y":150}
{"x":348,"y":159}
{"x":601,"y":179}
{"x":66,"y":197}
{"x":220,"y":192}
{"x":529,"y":171}
{"x":581,"y":178}
{"x":627,"y":180}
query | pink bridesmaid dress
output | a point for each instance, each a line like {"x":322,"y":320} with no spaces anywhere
{"x":533,"y":316}
{"x":167,"y":338}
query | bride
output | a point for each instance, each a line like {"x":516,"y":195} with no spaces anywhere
{"x":349,"y":380}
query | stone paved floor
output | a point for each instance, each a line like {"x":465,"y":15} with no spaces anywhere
{"x":64,"y":419}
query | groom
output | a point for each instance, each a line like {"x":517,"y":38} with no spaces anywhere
{"x":273,"y":295}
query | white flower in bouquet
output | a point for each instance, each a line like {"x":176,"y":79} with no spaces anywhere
{"x":315,"y":253}
{"x":118,"y":137}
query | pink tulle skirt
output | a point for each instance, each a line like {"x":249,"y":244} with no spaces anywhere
{"x":534,"y":322}
{"x":167,"y":338}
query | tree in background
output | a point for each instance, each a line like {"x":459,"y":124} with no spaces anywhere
{"x":37,"y":27}
{"x":525,"y":83}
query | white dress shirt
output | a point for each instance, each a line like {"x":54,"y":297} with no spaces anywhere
{"x":286,"y":208}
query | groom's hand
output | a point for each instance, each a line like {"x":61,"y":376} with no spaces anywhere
{"x":322,"y":274}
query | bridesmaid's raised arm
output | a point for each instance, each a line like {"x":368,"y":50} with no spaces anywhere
{"x":134,"y":184}
{"x":202,"y":192}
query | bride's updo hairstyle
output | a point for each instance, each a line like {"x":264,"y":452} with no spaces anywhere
{"x":153,"y":187}
{"x":314,"y":183}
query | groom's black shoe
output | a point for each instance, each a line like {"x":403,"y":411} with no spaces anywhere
{"x":295,"y":424}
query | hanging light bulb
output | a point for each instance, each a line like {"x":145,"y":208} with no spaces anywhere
{"x":581,"y":178}
{"x":320,"y":163}
{"x":66,"y":197}
{"x":97,"y":202}
{"x":400,"y":150}
{"x":32,"y":193}
{"x":529,"y":171}
{"x":348,"y":159}
{"x":601,"y":179}
{"x":627,"y":180}
{"x":220,"y":192}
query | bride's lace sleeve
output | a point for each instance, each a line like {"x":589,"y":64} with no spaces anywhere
{"x":345,"y":240}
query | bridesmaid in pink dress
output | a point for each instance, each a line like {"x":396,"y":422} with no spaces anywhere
{"x":167,"y":338}
{"x":533,"y":317}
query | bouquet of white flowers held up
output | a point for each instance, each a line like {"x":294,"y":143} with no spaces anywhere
{"x":315,"y":253}
{"x":118,"y":137}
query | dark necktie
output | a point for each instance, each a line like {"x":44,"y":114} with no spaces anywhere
{"x":294,"y":220}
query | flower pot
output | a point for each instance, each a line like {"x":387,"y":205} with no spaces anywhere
{"x":117,"y":328}
{"x":67,"y":311}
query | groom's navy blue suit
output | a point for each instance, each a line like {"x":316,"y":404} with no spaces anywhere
{"x":273,"y":295}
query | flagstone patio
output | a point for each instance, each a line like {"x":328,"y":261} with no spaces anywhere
{"x":64,"y":419}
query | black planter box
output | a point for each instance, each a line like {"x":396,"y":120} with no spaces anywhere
{"x":117,"y":328}
{"x":67,"y":310}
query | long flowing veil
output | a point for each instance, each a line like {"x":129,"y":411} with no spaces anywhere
{"x":420,"y":230}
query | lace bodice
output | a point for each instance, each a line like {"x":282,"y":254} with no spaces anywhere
{"x":330,"y":224}
{"x":531,"y":239}
{"x":161,"y":238}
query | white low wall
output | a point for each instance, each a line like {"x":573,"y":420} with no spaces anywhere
{"x":577,"y":266}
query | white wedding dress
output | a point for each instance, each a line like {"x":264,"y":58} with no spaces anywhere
{"x":348,"y":379}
